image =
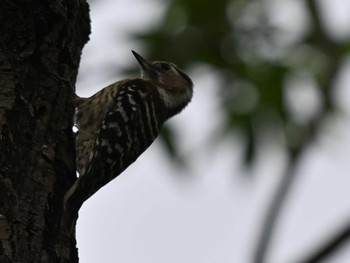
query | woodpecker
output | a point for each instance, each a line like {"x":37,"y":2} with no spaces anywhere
{"x":118,"y":123}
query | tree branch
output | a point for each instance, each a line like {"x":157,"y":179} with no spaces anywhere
{"x":329,"y":48}
{"x":329,"y":247}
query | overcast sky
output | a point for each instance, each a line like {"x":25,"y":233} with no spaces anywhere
{"x":156,"y":212}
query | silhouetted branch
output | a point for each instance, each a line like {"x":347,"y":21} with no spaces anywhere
{"x":329,"y":48}
{"x":330,"y":247}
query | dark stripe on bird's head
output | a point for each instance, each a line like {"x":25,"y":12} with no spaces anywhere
{"x":184,"y":75}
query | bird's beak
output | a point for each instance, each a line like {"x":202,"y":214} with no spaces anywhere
{"x":145,"y":65}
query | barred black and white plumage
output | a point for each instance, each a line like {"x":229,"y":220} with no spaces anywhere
{"x":118,"y":123}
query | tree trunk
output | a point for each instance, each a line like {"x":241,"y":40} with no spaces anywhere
{"x":40,"y":48}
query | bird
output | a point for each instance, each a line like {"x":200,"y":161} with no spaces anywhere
{"x":118,"y":123}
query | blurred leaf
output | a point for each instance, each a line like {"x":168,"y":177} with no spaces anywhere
{"x":168,"y":139}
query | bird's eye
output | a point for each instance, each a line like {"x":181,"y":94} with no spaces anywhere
{"x":165,"y":66}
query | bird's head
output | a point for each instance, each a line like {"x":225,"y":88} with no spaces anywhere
{"x":174,"y":85}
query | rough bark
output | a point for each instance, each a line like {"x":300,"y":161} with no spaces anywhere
{"x":40,"y":48}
